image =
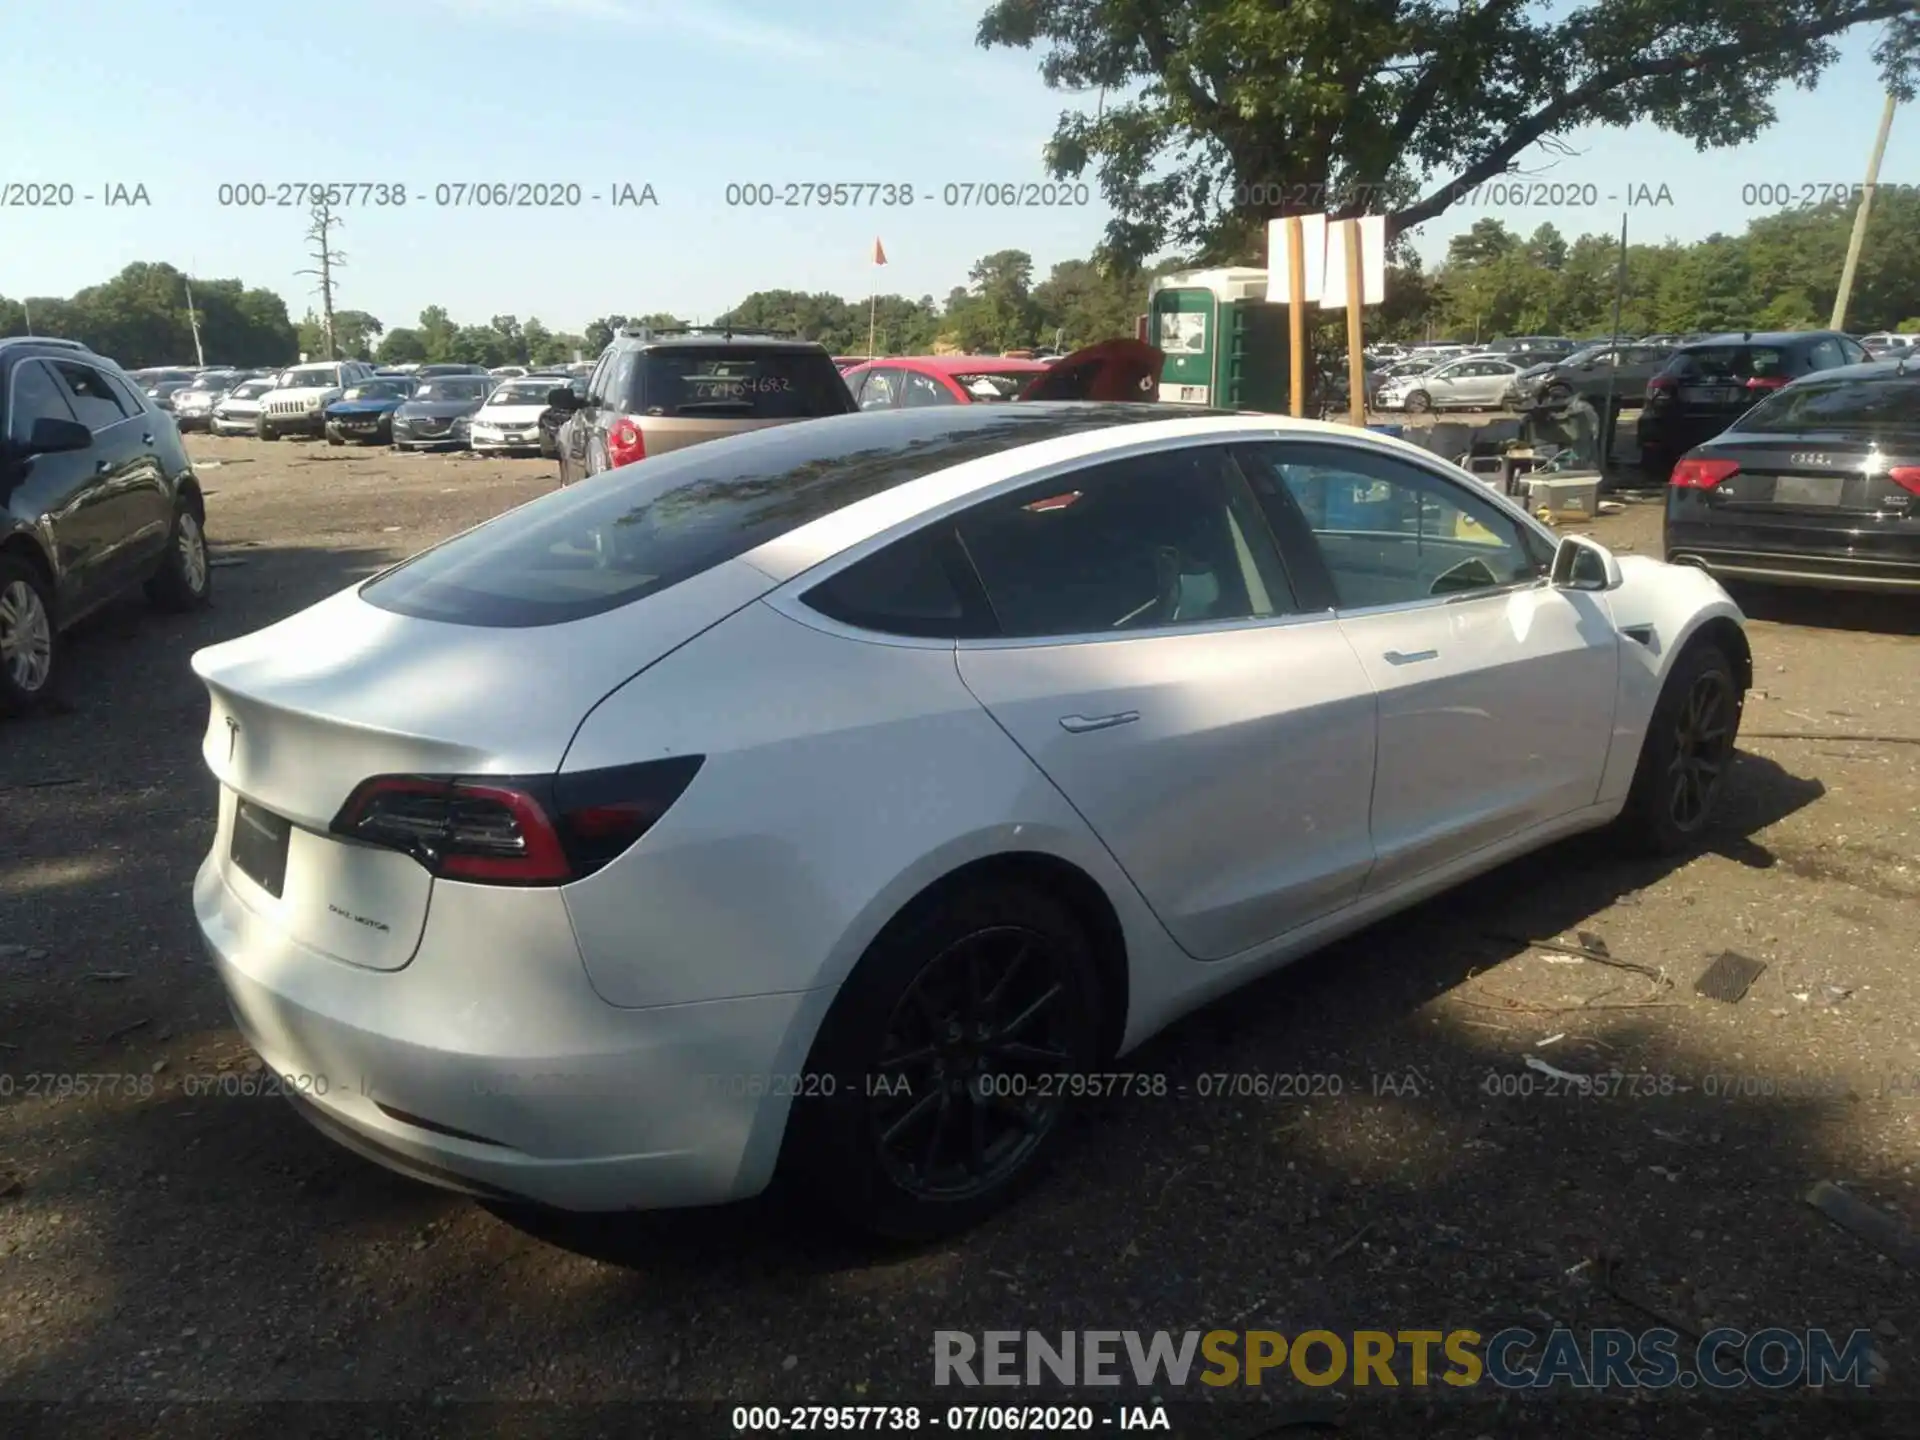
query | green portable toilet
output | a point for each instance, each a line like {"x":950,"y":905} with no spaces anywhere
{"x":1225,"y":343}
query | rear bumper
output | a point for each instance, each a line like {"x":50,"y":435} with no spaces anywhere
{"x":1868,"y":555}
{"x":489,"y":1065}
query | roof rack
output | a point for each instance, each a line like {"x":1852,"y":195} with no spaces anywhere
{"x":661,"y":332}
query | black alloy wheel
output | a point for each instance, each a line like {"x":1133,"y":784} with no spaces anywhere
{"x":1702,"y":746}
{"x":967,"y":1082}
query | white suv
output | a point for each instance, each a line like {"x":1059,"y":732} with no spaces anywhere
{"x":298,"y":401}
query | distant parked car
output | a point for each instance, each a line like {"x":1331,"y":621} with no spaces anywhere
{"x":906,"y":381}
{"x":438,"y":413}
{"x":654,"y":393}
{"x":427,"y":372}
{"x":1586,"y":373}
{"x":509,"y":423}
{"x":1704,"y":387}
{"x":238,"y":411}
{"x":297,"y":404}
{"x":1474,"y":382}
{"x":193,"y":406}
{"x":364,"y":412}
{"x":161,"y":385}
{"x":507,"y":372}
{"x":1818,"y":484}
{"x":1888,"y":346}
{"x":97,"y":496}
{"x":1532,"y":349}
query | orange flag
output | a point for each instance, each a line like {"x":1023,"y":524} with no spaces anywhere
{"x":879,"y":255}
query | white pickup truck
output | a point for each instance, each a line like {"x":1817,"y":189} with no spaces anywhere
{"x":297,"y":404}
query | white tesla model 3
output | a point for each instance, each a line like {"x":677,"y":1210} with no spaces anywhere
{"x":807,"y":803}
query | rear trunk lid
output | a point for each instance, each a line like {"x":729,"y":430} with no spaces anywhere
{"x":305,"y":710}
{"x":1812,"y":474}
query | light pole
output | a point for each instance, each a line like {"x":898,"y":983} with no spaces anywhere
{"x":1860,"y":219}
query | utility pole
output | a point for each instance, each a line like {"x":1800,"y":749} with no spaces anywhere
{"x":27,"y":310}
{"x":1860,"y":219}
{"x":199,"y":355}
{"x":326,"y":260}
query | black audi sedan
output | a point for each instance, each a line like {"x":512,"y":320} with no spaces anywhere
{"x":1817,"y":485}
{"x":436,"y":416}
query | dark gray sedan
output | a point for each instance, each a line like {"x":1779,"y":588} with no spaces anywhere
{"x":439,"y":414}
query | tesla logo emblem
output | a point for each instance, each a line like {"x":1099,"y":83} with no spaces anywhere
{"x":1811,"y":458}
{"x":233,"y":738}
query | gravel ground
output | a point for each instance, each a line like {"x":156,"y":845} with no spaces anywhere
{"x":160,"y":1247}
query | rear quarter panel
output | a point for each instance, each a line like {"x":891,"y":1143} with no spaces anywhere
{"x":843,"y":776}
{"x":1659,"y":609}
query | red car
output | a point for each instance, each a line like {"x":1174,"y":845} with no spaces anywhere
{"x":903,"y":380}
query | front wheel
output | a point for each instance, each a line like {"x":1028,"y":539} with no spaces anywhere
{"x":1419,"y":403}
{"x":29,"y":642}
{"x":1686,"y":755}
{"x":265,"y":431}
{"x":334,"y":437}
{"x":946,"y":1064}
{"x":184,"y":580}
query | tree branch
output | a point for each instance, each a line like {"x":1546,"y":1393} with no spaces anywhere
{"x":1420,"y":99}
{"x":1569,"y":105}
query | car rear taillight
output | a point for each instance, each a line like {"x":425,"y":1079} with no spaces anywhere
{"x":1661,"y":388}
{"x":515,"y":830}
{"x":1766,"y":382}
{"x":625,"y":444}
{"x":1703,"y":474}
{"x":1907,"y":477}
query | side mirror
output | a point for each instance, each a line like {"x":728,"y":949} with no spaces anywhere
{"x":57,"y":437}
{"x":1581,"y":563}
{"x":561,"y":397}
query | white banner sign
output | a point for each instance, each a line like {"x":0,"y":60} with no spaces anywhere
{"x":1373,"y":263}
{"x":1313,"y":235}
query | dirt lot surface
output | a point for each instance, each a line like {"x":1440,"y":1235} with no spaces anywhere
{"x":157,"y":1246}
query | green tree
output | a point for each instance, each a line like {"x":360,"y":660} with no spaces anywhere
{"x":402,"y":345}
{"x":1217,"y":115}
{"x":600,"y":332}
{"x":139,"y":318}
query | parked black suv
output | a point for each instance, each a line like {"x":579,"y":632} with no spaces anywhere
{"x":656,"y":390}
{"x":1709,"y":384}
{"x":96,"y":496}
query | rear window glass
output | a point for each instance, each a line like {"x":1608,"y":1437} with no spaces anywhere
{"x":1730,"y":362}
{"x":996,"y":384}
{"x":750,"y":384}
{"x":1867,"y":407}
{"x":629,"y":533}
{"x":524,"y":392}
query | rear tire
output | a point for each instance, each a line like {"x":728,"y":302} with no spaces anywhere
{"x":1686,"y":755}
{"x":184,"y":580}
{"x":937,"y":1049}
{"x":29,"y":638}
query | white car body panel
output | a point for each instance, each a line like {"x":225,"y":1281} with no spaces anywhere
{"x":1231,"y":828}
{"x":1495,"y":714}
{"x":505,"y":427}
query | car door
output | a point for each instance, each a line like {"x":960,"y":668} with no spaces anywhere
{"x":118,"y":508}
{"x":1486,"y":383}
{"x":1443,"y":384}
{"x":576,"y":436}
{"x":52,"y":491}
{"x":1156,"y":663}
{"x":1496,"y":691}
{"x":150,"y":491}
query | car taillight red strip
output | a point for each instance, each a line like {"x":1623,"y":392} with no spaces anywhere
{"x":1703,"y":474}
{"x":1907,"y":477}
{"x":1766,"y":382}
{"x":514,"y":830}
{"x":625,"y":443}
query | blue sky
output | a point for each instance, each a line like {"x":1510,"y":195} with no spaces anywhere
{"x":685,"y":95}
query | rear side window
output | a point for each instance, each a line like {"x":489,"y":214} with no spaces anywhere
{"x":89,"y":394}
{"x":735,"y":381}
{"x":633,"y":532}
{"x":1873,"y":407}
{"x":1730,"y":362}
{"x":918,"y":586}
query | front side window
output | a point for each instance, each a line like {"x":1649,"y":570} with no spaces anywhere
{"x":1167,"y":539}
{"x":36,"y":396}
{"x":880,"y":390}
{"x":1390,"y":533}
{"x":92,"y":398}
